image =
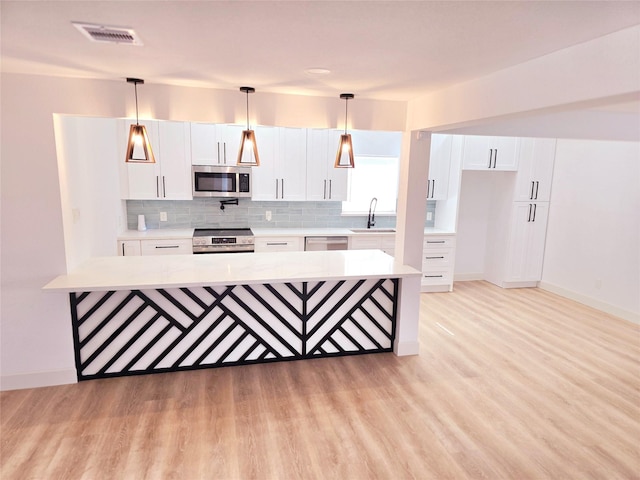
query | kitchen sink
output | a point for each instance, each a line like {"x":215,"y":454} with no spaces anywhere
{"x":373,"y":230}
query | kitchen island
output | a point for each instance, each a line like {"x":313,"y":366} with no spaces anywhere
{"x":134,"y":315}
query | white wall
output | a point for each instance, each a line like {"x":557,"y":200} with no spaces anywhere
{"x":593,"y":237}
{"x":474,"y":209}
{"x":91,"y":206}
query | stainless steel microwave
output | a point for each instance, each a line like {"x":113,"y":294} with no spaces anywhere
{"x":220,"y":181}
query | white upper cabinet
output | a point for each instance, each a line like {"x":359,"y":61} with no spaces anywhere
{"x":535,"y":170}
{"x":490,"y":153}
{"x":324,"y":182}
{"x":283,"y":164}
{"x":167,"y":179}
{"x":215,"y":144}
{"x":439,"y":166}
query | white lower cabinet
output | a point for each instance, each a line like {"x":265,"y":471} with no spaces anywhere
{"x":517,"y":261}
{"x":371,"y":241}
{"x":130,"y":248}
{"x":438,"y":255}
{"x":279,"y":244}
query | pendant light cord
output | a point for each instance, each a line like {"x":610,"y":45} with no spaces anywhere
{"x":346,"y":102}
{"x":247,"y":109}
{"x":135,"y":87}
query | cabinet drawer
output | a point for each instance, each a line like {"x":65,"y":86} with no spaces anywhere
{"x":166,"y":247}
{"x":436,"y":277}
{"x":437,"y":259}
{"x":279,"y":244}
{"x":438,"y":241}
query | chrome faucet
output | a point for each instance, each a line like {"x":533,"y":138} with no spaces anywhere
{"x":371,"y":220}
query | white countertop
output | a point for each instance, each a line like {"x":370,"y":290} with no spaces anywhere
{"x":173,"y":271}
{"x":181,"y":233}
{"x":157,"y":233}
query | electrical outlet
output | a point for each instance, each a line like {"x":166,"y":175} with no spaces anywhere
{"x":267,"y":215}
{"x":163,"y":216}
{"x":429,"y":215}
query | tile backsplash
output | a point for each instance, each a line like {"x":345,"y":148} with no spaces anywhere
{"x":206,"y":212}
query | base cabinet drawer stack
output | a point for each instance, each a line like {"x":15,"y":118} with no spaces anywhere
{"x":438,"y":255}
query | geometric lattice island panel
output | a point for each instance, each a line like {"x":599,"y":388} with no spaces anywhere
{"x":128,"y":332}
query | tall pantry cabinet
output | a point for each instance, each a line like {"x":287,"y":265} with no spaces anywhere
{"x":518,"y":226}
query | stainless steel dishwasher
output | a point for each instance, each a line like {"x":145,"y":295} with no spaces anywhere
{"x":326,"y":243}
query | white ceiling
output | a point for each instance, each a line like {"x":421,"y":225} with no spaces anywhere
{"x":392,"y":50}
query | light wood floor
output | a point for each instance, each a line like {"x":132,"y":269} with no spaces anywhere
{"x":526,"y":385}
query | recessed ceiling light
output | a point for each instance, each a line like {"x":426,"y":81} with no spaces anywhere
{"x":317,"y":71}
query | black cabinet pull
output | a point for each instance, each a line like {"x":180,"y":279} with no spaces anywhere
{"x":433,"y":276}
{"x":324,"y":195}
{"x":433,"y":187}
{"x":330,"y":190}
{"x":167,"y":246}
{"x":537,"y":185}
{"x":164,"y":188}
{"x":495,"y":157}
{"x":157,"y":186}
{"x":533,"y":184}
{"x":433,"y":258}
{"x":535,"y":207}
{"x":282,"y":180}
{"x":435,"y":241}
{"x":529,"y":219}
{"x":490,"y":155}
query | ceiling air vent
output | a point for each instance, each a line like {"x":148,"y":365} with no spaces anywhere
{"x":105,"y":34}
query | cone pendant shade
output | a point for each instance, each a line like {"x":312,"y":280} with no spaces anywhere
{"x":344,"y":157}
{"x":248,"y":154}
{"x":138,"y":147}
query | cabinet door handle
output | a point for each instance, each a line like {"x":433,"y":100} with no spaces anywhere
{"x":529,"y":219}
{"x":157,"y":186}
{"x":537,"y":185}
{"x":433,"y":187}
{"x":282,"y":180}
{"x":276,"y":188}
{"x":434,"y":258}
{"x":324,"y":195}
{"x":435,"y":241}
{"x":433,"y":276}
{"x":218,"y":152}
{"x":273,"y":244}
{"x":224,"y":151}
{"x":167,"y":246}
{"x":535,"y":207}
{"x":164,"y":188}
{"x":428,"y":187}
{"x":330,"y":196}
{"x":533,"y":184}
{"x":123,"y":249}
{"x":490,"y":155}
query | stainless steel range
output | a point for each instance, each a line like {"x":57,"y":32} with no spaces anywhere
{"x":222,"y":240}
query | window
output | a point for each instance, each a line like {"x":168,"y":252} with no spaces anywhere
{"x":373,"y":177}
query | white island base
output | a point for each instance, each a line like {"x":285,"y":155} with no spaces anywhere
{"x":135,"y":315}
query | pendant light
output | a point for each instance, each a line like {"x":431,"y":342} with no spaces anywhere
{"x":344,"y":157}
{"x":248,"y":154}
{"x":138,"y":146}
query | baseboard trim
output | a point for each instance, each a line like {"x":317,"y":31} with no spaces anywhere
{"x":38,"y":379}
{"x":403,"y":349}
{"x":468,"y":277}
{"x":591,"y":302}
